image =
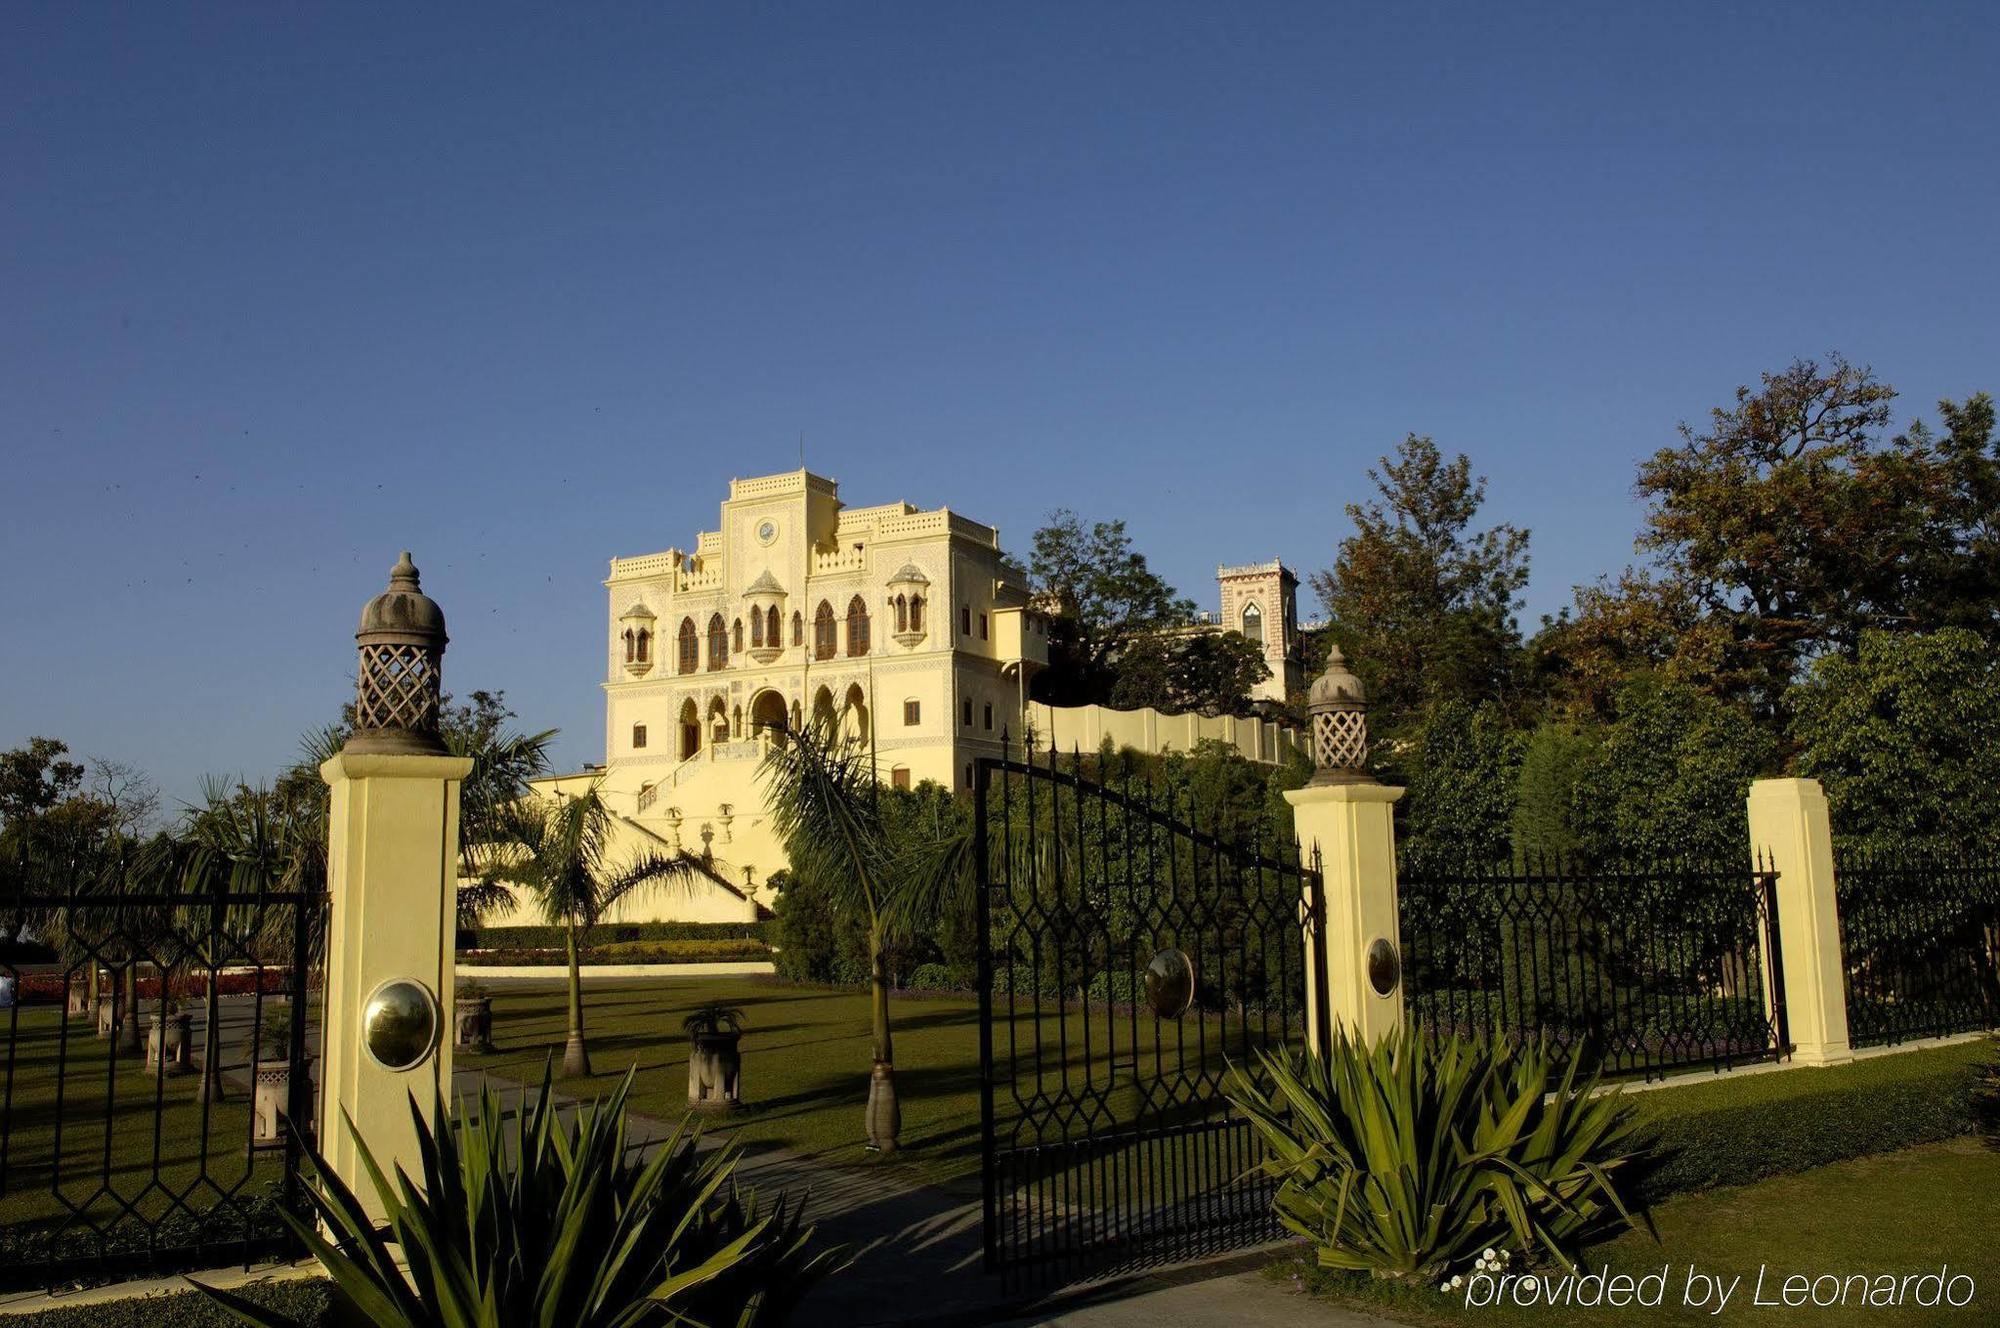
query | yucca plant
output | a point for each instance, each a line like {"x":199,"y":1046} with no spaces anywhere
{"x":551,"y":1221}
{"x":1408,"y":1158}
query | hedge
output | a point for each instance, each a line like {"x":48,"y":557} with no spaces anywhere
{"x":1744,"y":1127}
{"x":307,"y":1301}
{"x":627,"y":952}
{"x":555,"y":938}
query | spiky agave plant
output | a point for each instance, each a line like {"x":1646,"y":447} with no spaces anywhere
{"x":1408,"y":1158}
{"x":553,"y":1221}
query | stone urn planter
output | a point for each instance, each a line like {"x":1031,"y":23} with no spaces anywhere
{"x":170,"y":1042}
{"x":271,"y":1087}
{"x":715,"y":1057}
{"x":107,"y":1014}
{"x":473,"y":1019}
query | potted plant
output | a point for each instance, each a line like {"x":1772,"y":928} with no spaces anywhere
{"x":472,"y":1018}
{"x":715,"y":1060}
{"x":272,"y":1077}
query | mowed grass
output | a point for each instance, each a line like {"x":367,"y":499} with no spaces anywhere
{"x":806,"y":1058}
{"x":1899,"y":1213}
{"x":110,"y":1142}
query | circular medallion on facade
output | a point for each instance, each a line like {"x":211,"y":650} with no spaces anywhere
{"x":767,"y":530}
{"x":1170,"y":984}
{"x":399,"y":1024}
{"x":1384,"y":970}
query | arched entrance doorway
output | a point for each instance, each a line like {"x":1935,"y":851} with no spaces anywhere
{"x":690,"y":729}
{"x":767,"y":716}
{"x":854,"y":715}
{"x":718,"y":721}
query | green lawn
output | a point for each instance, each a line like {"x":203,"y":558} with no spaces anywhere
{"x":805,"y":1062}
{"x":1906,"y":1212}
{"x":120,"y":1144}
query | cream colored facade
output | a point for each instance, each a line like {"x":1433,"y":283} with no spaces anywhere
{"x":908,"y":626}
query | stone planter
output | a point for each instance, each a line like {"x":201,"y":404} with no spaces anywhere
{"x":170,"y":1042}
{"x":107,"y":1014}
{"x":272,"y":1096}
{"x":473,"y":1017}
{"x":715,"y":1071}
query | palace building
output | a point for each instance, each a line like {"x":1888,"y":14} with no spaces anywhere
{"x":910,"y":629}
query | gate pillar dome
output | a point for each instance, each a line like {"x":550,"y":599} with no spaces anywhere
{"x":1345,"y":821}
{"x":392,"y":873}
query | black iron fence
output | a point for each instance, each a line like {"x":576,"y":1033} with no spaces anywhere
{"x":155,"y":1047}
{"x":1130,"y":954}
{"x":1635,"y":970}
{"x":1920,"y":943}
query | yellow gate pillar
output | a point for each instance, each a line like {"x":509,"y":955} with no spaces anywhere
{"x":392,"y":871}
{"x":1345,"y":820}
{"x":1792,"y":834}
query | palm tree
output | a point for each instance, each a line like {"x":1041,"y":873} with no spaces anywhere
{"x":826,"y":805}
{"x":560,"y":856}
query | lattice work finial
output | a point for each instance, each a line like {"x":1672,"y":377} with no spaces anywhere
{"x":400,"y":681}
{"x":1338,"y":711}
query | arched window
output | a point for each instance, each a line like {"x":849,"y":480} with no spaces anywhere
{"x":690,"y":646}
{"x":737,"y":634}
{"x":736,"y":722}
{"x":857,"y":626}
{"x":645,"y":646}
{"x":823,"y":631}
{"x":690,"y":727}
{"x":630,"y":654}
{"x":902,"y":614}
{"x":1253,"y":623}
{"x":771,"y":627}
{"x":756,"y":627}
{"x":916,"y":613}
{"x":718,"y":642}
{"x":718,"y":718}
{"x":798,"y":628}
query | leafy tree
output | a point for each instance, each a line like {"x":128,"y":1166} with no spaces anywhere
{"x":1461,"y":762}
{"x":1669,"y":779}
{"x":1101,"y":599}
{"x":1423,"y":603}
{"x":34,"y":779}
{"x":1905,"y":737}
{"x":1207,"y":671}
{"x":560,"y":853}
{"x":1553,"y":795}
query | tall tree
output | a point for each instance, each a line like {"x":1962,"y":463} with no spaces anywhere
{"x":1202,"y":670}
{"x":1101,"y":597}
{"x":1425,"y":604}
{"x":561,"y":854}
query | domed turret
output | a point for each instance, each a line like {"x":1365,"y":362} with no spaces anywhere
{"x":399,"y":683}
{"x":1337,"y":707}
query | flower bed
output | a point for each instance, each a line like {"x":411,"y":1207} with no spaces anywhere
{"x":48,"y":988}
{"x":623,"y":952}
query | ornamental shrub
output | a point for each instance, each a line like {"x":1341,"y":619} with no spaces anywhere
{"x":1410,"y":1158}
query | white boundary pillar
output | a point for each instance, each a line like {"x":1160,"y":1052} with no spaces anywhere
{"x":1792,"y":833}
{"x":392,"y":872}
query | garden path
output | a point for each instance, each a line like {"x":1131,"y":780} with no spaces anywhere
{"x":916,"y":1251}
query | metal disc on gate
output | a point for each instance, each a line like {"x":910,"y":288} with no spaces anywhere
{"x":1170,"y":983}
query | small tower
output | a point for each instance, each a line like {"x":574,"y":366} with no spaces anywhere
{"x":399,"y":681}
{"x":1261,"y":601}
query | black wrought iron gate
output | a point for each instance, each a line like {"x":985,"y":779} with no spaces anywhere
{"x":150,"y":1041}
{"x":1130,"y":955}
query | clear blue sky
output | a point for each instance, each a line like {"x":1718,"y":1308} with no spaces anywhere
{"x":284,"y":289}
